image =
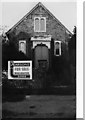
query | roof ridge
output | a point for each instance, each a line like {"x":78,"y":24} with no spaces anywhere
{"x":24,"y":16}
{"x":38,"y":4}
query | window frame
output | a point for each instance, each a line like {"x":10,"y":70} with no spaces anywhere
{"x":39,"y":24}
{"x":59,"y":48}
{"x":34,"y":24}
{"x":22,"y":41}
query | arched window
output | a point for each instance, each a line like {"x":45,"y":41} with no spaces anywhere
{"x":57,"y":48}
{"x":42,"y":24}
{"x":39,"y":24}
{"x":22,"y":46}
{"x":36,"y":24}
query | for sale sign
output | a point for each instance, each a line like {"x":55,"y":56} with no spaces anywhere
{"x":20,"y":70}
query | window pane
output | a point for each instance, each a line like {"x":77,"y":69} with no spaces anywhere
{"x":57,"y":51}
{"x":42,"y":24}
{"x":57,"y":48}
{"x":37,"y":24}
{"x":22,"y":47}
{"x":57,"y":45}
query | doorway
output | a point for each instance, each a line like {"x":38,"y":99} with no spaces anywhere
{"x":41,"y":56}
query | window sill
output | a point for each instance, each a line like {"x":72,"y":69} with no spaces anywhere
{"x":39,"y":31}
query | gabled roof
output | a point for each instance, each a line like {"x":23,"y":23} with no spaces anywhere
{"x":39,"y":4}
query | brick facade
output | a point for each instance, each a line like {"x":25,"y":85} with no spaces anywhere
{"x":26,"y":27}
{"x":24,"y":30}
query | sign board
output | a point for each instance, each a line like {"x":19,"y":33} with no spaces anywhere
{"x":20,"y":70}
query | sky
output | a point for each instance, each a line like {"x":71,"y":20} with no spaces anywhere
{"x":65,"y":12}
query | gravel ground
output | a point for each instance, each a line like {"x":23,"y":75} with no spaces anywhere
{"x":41,"y":106}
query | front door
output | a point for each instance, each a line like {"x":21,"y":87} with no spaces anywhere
{"x":41,"y":56}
